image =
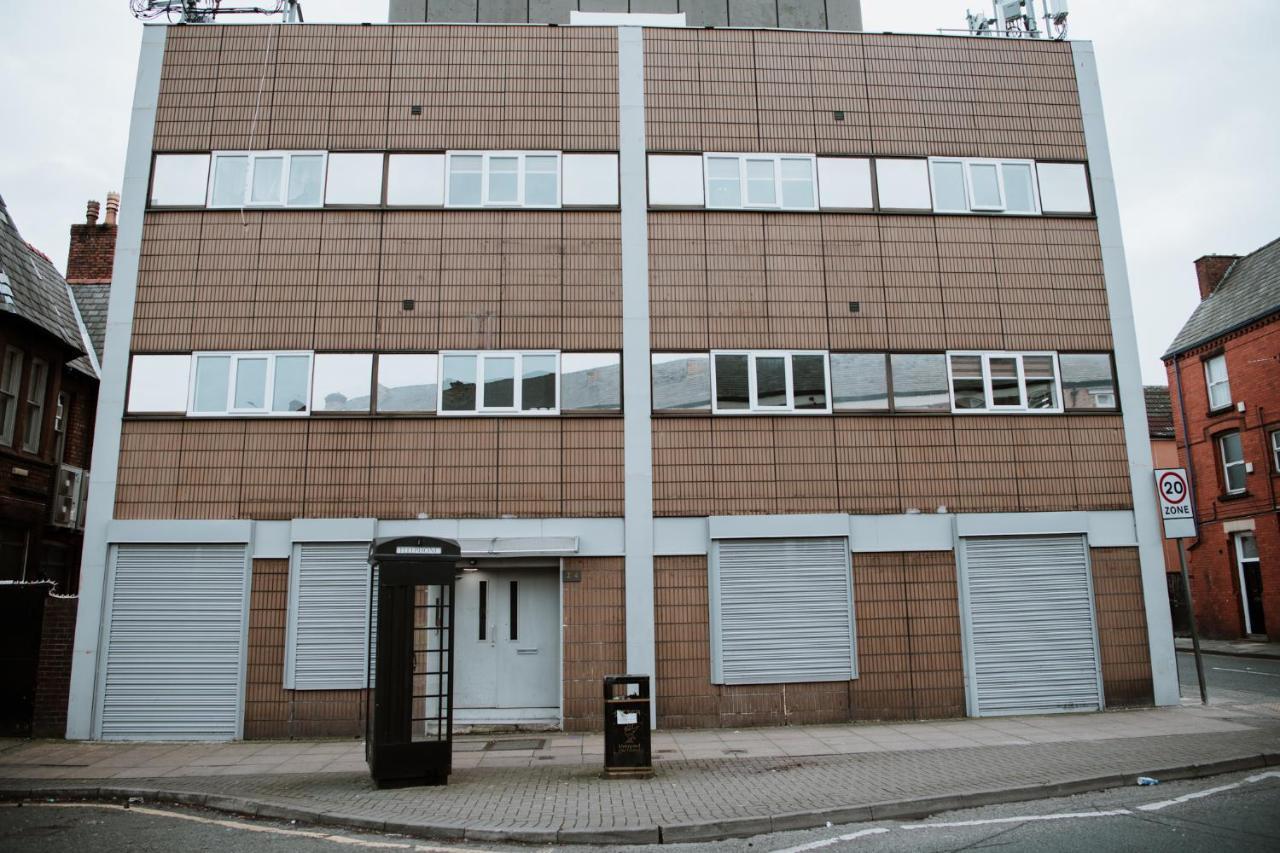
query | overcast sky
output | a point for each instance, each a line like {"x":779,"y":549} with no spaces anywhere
{"x":1190,"y":96}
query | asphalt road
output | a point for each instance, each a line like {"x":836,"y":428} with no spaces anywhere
{"x":1230,"y":678}
{"x":1236,"y":812}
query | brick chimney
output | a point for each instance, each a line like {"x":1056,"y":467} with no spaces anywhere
{"x":93,"y":245}
{"x":1210,"y":270}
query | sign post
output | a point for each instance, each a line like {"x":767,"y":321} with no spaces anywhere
{"x":1179,"y":518}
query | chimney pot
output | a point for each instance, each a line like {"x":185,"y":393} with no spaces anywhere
{"x":1211,"y":270}
{"x":91,"y":213}
{"x":113,"y":207}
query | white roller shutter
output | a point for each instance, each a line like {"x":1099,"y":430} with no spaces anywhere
{"x":174,"y":658}
{"x":328,"y":616}
{"x":781,"y":611}
{"x":1030,"y":630}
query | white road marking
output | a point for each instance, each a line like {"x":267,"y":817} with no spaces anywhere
{"x":827,"y":842}
{"x":1194,"y":795}
{"x":1246,"y":671}
{"x":1066,"y":816}
{"x":251,"y":827}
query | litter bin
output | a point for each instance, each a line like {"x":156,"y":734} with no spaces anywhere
{"x":628,"y":749}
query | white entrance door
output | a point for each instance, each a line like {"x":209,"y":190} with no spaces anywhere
{"x":507,"y":646}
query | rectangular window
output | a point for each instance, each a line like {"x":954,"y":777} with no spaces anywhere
{"x":1233,"y":465}
{"x":37,"y":385}
{"x":681,"y":382}
{"x":180,"y":180}
{"x":407,"y":383}
{"x":10,"y":380}
{"x":415,"y":180}
{"x":268,"y":179}
{"x":354,"y":179}
{"x":342,"y":382}
{"x":1215,"y":378}
{"x":983,"y":186}
{"x":250,"y":383}
{"x":590,"y":382}
{"x":1004,"y":382}
{"x":763,"y":181}
{"x":503,"y":179}
{"x":499,"y":383}
{"x":1088,"y":381}
{"x":860,"y":382}
{"x":770,"y":381}
{"x":919,"y":382}
{"x":1275,"y":450}
{"x":158,"y":383}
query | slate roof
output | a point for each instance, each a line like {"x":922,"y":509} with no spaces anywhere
{"x":37,"y":292}
{"x":1250,"y":291}
{"x":1159,"y":411}
{"x":91,"y":299}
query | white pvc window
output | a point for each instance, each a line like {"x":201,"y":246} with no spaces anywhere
{"x":180,"y":180}
{"x":495,"y":383}
{"x":1233,"y":464}
{"x":268,"y":179}
{"x":1275,"y":450}
{"x":764,"y":181}
{"x":503,"y":179}
{"x":250,"y":383}
{"x":1004,"y":382}
{"x":37,"y":385}
{"x":158,"y":383}
{"x":10,"y":380}
{"x":1215,"y":378}
{"x":770,"y":382}
{"x":983,"y":186}
{"x":342,"y":382}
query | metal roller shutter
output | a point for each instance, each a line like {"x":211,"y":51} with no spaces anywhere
{"x":782,"y":611}
{"x":174,"y":661}
{"x":1031,"y":632}
{"x":328,"y":616}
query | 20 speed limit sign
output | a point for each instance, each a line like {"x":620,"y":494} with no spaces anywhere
{"x":1175,"y":503}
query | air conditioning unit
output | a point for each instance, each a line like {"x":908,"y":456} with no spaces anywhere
{"x":69,"y":498}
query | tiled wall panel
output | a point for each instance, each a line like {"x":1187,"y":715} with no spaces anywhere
{"x":318,"y":467}
{"x":350,"y":88}
{"x":770,"y":90}
{"x":595,"y":636}
{"x":762,"y":280}
{"x":888,"y":464}
{"x":1122,"y":627}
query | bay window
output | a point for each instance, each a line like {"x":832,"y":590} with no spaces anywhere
{"x":770,"y":381}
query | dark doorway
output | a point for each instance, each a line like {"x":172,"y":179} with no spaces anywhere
{"x":22,"y":615}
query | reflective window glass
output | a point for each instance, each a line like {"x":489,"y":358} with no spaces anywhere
{"x":341,"y":382}
{"x":503,"y":175}
{"x":771,"y":381}
{"x":681,"y":382}
{"x":723,"y":182}
{"x":760,"y":186}
{"x":538,"y":383}
{"x":859,"y":381}
{"x":499,"y":382}
{"x":919,"y":382}
{"x":229,"y":177}
{"x":541,"y":181}
{"x":211,"y":383}
{"x":797,"y":183}
{"x":966,"y":382}
{"x":1019,"y":188}
{"x":289,"y":392}
{"x":458,"y":391}
{"x":251,"y":384}
{"x":1005,"y":388}
{"x":732,"y":391}
{"x":591,"y":381}
{"x":306,"y":179}
{"x":464,"y":179}
{"x":1087,"y":381}
{"x":268,"y":176}
{"x":809,"y":379}
{"x":949,"y":193}
{"x":406,"y":383}
{"x":985,"y":183}
{"x":1039,"y":376}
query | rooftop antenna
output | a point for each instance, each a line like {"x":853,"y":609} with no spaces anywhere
{"x":205,"y":11}
{"x":1018,"y":19}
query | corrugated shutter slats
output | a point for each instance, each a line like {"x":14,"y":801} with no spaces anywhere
{"x":173,"y":658}
{"x":330,"y":633}
{"x":1031,"y":625}
{"x":784,"y":610}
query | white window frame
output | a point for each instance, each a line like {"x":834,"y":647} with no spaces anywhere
{"x":753,"y":405}
{"x":11,"y":365}
{"x":516,"y":410}
{"x":1237,"y":544}
{"x":229,"y":411}
{"x":1227,"y":464}
{"x":486,"y":157}
{"x":776,"y":160}
{"x":1275,"y":450}
{"x":36,"y":405}
{"x":1210,"y":383}
{"x":1022,"y":408}
{"x":254,"y":156}
{"x":967,"y":163}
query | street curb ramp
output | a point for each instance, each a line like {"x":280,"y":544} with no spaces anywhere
{"x":676,"y":833}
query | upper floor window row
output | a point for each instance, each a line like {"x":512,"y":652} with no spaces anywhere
{"x":807,"y":182}
{"x":731,"y":382}
{"x":300,"y":383}
{"x":313,"y":179}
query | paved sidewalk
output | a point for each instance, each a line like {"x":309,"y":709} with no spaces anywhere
{"x":1236,"y":648}
{"x":709,"y":784}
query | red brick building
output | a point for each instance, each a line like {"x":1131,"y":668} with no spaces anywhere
{"x":1224,"y":374}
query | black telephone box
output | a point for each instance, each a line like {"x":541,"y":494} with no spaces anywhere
{"x":409,"y":733}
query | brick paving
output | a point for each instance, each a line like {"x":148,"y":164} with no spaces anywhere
{"x":822,"y":771}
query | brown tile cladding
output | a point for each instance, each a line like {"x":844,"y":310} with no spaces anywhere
{"x":775,"y":91}
{"x":350,"y":88}
{"x":383,"y":468}
{"x":888,"y":464}
{"x":595,"y":637}
{"x":909,"y":656}
{"x":336,"y":280}
{"x":752,"y":280}
{"x":1122,"y":627}
{"x":270,"y":711}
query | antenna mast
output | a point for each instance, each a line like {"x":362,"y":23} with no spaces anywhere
{"x":204,"y":11}
{"x":1018,"y":19}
